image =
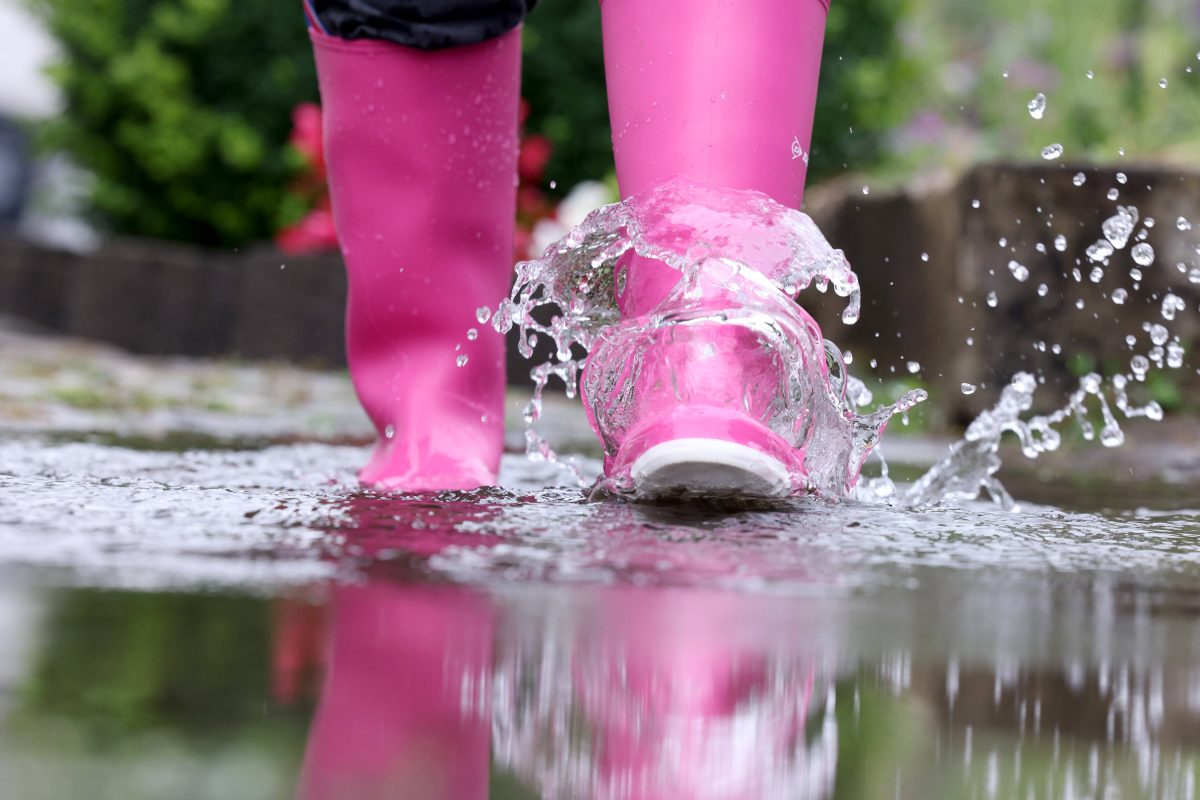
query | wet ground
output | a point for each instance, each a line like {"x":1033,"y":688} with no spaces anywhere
{"x":196,"y":601}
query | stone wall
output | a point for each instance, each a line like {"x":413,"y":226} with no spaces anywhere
{"x":160,"y":298}
{"x":912,"y":308}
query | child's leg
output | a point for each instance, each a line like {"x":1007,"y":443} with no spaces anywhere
{"x":718,"y":91}
{"x":421,"y":146}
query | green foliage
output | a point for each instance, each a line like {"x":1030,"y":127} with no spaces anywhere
{"x":870,"y":83}
{"x":986,"y":60}
{"x":181,"y":110}
{"x":563,"y":81}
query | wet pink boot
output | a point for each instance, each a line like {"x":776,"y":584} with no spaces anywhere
{"x":421,"y":147}
{"x":721,"y":93}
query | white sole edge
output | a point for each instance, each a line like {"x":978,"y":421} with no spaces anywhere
{"x":708,"y":467}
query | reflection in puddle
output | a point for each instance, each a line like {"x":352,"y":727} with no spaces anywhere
{"x":520,"y":643}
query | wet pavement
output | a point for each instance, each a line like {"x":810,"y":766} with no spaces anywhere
{"x":195,"y":604}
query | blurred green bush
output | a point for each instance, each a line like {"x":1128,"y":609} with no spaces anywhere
{"x":181,"y":108}
{"x":181,"y":111}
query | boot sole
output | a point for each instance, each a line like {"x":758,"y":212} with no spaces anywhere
{"x":698,"y":467}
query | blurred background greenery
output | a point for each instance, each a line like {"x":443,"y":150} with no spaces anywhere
{"x":181,"y":109}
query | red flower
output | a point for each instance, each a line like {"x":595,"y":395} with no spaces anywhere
{"x":535,"y":153}
{"x":307,"y":135}
{"x":314,"y":232}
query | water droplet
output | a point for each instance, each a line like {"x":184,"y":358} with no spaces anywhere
{"x":1079,"y":179}
{"x":553,"y":185}
{"x":1052,"y":151}
{"x":1143,"y":254}
{"x":913,"y":367}
{"x":1060,"y":243}
{"x":1090,"y":74}
{"x":1113,"y":194}
{"x":974,"y":204}
{"x":967,"y":388}
{"x":1111,"y":435}
{"x":461,"y":360}
{"x":866,"y":190}
{"x":1043,"y":290}
{"x":1119,"y":296}
{"x":1122,"y":178}
{"x":1018,"y":270}
{"x":1096,"y":275}
{"x":389,"y":432}
{"x":1162,"y":84}
{"x":1099,"y":251}
{"x":1119,"y":226}
{"x":483,"y":314}
{"x":1037,"y":106}
{"x":1172,"y":304}
{"x":1159,"y":334}
{"x":1182,"y":224}
{"x":1174,"y":355}
{"x":1131,"y":340}
{"x":472,"y":335}
{"x":992,"y":301}
{"x":1140,"y":366}
{"x":924,"y":256}
{"x":1194,"y":275}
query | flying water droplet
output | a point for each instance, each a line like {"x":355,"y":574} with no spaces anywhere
{"x":1182,"y":224}
{"x":1159,"y":334}
{"x":461,"y":360}
{"x":472,"y":335}
{"x":1018,"y":270}
{"x":1080,"y":179}
{"x":1119,"y":296}
{"x":389,"y":432}
{"x":1037,"y":106}
{"x":925,"y":256}
{"x":1118,"y":228}
{"x":1122,"y":178}
{"x":974,"y":204}
{"x":1172,"y":304}
{"x":1052,"y":151}
{"x":1099,"y":251}
{"x":992,"y":301}
{"x":1043,"y":290}
{"x":913,"y":367}
{"x":1113,"y":194}
{"x":483,"y":314}
{"x":1060,"y":243}
{"x":967,"y":388}
{"x":1162,"y":84}
{"x":1143,"y":254}
{"x":1090,"y":74}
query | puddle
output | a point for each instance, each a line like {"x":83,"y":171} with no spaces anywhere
{"x":240,"y":623}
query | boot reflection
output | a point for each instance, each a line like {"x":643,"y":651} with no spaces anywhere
{"x":667,"y":694}
{"x":403,"y":710}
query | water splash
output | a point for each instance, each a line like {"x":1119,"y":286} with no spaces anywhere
{"x":741,"y":258}
{"x":745,"y":246}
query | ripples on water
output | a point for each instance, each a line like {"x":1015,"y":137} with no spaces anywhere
{"x":812,"y":649}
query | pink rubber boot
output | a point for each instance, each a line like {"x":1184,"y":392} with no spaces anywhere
{"x":422,"y":151}
{"x":722,"y":93}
